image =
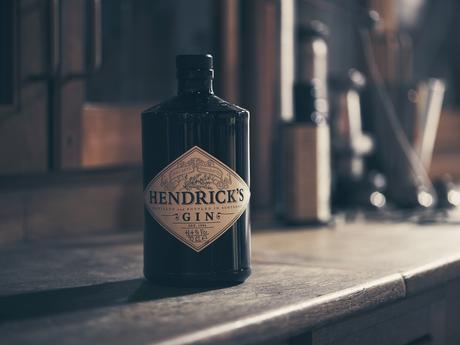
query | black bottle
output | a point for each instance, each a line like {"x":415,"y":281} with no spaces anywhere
{"x":196,"y":184}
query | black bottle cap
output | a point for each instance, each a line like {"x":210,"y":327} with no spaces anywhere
{"x":194,"y":66}
{"x":194,"y":62}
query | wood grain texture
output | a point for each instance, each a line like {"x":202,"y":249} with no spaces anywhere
{"x":277,"y":301}
{"x":398,"y":323}
{"x":78,"y":210}
{"x":432,"y":275}
{"x":51,"y":265}
{"x":91,"y":290}
{"x":45,"y":206}
{"x":425,"y":255}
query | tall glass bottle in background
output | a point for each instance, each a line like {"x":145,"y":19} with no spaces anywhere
{"x":196,"y":183}
{"x":306,"y":169}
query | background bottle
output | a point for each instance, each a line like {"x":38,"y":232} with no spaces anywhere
{"x":196,"y":183}
{"x":306,"y":167}
{"x":306,"y":164}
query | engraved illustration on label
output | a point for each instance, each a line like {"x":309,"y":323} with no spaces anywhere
{"x":196,"y":198}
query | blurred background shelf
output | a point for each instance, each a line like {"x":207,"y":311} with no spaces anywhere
{"x":77,"y":74}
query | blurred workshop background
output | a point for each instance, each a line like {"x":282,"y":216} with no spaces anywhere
{"x":75,"y":75}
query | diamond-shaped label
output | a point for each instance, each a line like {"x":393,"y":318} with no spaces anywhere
{"x":196,"y":198}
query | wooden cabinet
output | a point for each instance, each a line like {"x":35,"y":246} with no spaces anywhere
{"x":67,"y":66}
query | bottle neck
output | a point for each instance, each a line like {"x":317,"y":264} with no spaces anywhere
{"x":195,"y":86}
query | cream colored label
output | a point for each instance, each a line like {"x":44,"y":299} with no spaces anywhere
{"x":196,"y":198}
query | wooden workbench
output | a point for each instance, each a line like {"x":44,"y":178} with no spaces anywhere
{"x":356,"y":283}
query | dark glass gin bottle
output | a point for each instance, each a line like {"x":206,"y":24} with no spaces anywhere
{"x":195,"y":151}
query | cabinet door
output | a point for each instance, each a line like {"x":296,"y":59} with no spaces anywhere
{"x":23,"y":86}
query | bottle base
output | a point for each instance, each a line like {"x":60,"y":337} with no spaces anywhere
{"x":219,"y":279}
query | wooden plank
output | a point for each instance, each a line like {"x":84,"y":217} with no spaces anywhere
{"x":399,"y":323}
{"x":406,"y":329}
{"x":23,"y":135}
{"x":275,"y":302}
{"x":401,"y":330}
{"x":432,"y":259}
{"x":258,"y":85}
{"x":111,"y":135}
{"x":69,"y":264}
{"x":431,"y":275}
{"x":73,"y":177}
{"x":425,"y":255}
{"x":70,"y":87}
{"x":77,"y":210}
{"x":303,"y":280}
{"x":70,"y":204}
{"x":23,"y":129}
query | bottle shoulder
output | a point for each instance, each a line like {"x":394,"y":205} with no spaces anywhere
{"x":189,"y":104}
{"x":227,"y":106}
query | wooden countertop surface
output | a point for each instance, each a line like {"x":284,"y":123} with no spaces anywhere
{"x":90,"y":290}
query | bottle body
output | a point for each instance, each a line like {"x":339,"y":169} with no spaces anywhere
{"x":205,"y":143}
